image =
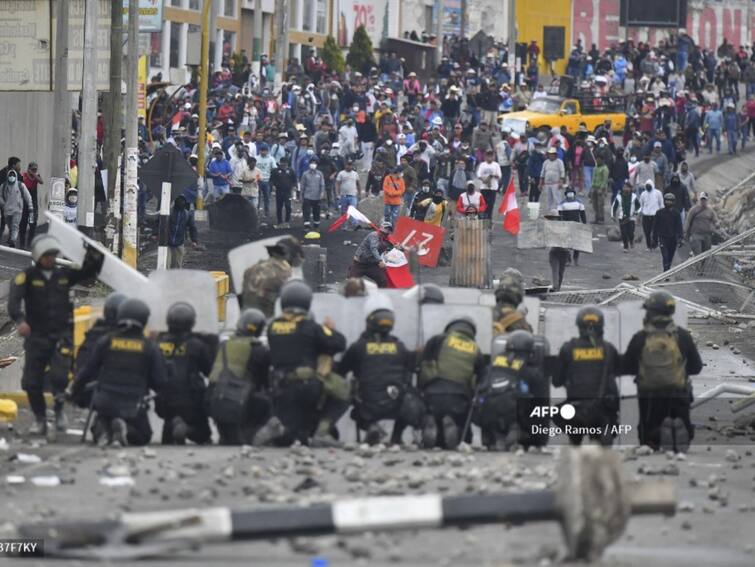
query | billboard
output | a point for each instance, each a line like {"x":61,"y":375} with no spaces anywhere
{"x":372,"y":14}
{"x":667,"y":14}
{"x":27,"y":39}
{"x":150,"y":15}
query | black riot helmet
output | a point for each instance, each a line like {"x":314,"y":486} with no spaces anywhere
{"x":660,"y":303}
{"x":509,"y":290}
{"x":381,"y":321}
{"x":521,"y":342}
{"x":464,"y":325}
{"x":289,"y":248}
{"x":431,"y":293}
{"x":181,"y":317}
{"x":110,"y":309}
{"x":251,"y":323}
{"x":590,"y":322}
{"x":133,"y":313}
{"x":296,"y":294}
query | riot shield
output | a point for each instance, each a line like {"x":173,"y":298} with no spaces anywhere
{"x":115,"y":273}
{"x":246,"y":256}
{"x":560,"y":324}
{"x":546,"y":234}
{"x":435,"y":318}
{"x":192,"y":286}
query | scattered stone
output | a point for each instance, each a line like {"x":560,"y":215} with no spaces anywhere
{"x":606,"y":276}
{"x":732,"y":456}
{"x":642,"y":451}
{"x":148,"y":453}
{"x":686,"y":525}
{"x":715,"y":346}
{"x":709,"y":343}
{"x":630,"y":278}
{"x":686,"y":507}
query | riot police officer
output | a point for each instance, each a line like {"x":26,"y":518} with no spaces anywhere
{"x":187,"y":361}
{"x":450,"y":366}
{"x":126,"y":365}
{"x":382,"y":367}
{"x":505,"y":394}
{"x":263,"y":281}
{"x":102,"y":326}
{"x":239,"y":381}
{"x":309,"y":397}
{"x":508,"y":295}
{"x":663,"y":356}
{"x":46,"y":322}
{"x":587,"y":367}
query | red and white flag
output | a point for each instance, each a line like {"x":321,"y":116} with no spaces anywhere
{"x":355,"y":215}
{"x":510,"y":209}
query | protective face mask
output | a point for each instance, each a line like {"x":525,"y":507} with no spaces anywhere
{"x":313,"y":166}
{"x":73,"y":200}
{"x":11,"y":179}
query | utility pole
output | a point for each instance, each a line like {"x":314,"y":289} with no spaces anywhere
{"x":204,"y":85}
{"x":115,"y":111}
{"x":257,"y":39}
{"x":62,"y":98}
{"x":87,"y":160}
{"x":132,"y":139}
{"x":439,"y":30}
{"x":463,"y":31}
{"x":281,"y":42}
{"x":512,"y":43}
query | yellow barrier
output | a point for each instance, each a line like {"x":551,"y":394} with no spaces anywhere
{"x":223,"y":286}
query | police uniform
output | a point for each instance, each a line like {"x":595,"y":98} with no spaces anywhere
{"x":48,"y":310}
{"x":126,"y":366}
{"x":451,"y":364}
{"x":507,"y":318}
{"x":240,"y":405}
{"x":187,"y":360}
{"x":305,"y":393}
{"x":505,"y":387}
{"x":263,"y":282}
{"x":587,"y":367}
{"x":382,"y":367}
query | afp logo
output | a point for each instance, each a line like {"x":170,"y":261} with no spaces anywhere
{"x":566,"y":411}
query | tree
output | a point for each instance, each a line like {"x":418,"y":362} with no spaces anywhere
{"x":360,"y":53}
{"x":333,"y":56}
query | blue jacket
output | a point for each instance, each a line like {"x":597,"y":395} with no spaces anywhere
{"x":714,"y":119}
{"x":216,"y":168}
{"x":535,"y":164}
{"x":180,"y":221}
{"x":731,"y":122}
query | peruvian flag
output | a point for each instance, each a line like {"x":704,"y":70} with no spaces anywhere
{"x":510,"y":209}
{"x":355,"y":215}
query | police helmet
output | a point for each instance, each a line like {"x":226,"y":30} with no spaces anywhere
{"x":133,"y":313}
{"x":296,"y":294}
{"x":42,"y":245}
{"x":520,"y":341}
{"x":590,"y":321}
{"x":510,"y":290}
{"x":660,"y":303}
{"x":431,"y":293}
{"x":290,"y":248}
{"x":381,"y":321}
{"x":110,"y":309}
{"x":251,"y":323}
{"x":462,"y":324}
{"x":181,"y":317}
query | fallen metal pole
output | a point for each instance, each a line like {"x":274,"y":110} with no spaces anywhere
{"x":27,"y":254}
{"x":590,"y":491}
{"x":722,"y":389}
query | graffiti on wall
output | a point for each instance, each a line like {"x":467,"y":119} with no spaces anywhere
{"x":708,"y":23}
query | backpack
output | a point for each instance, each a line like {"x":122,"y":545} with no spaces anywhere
{"x":662,"y":365}
{"x":230,"y":394}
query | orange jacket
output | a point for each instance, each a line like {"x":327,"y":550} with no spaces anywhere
{"x":393,"y":190}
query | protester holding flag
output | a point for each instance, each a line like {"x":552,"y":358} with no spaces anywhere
{"x":510,"y":209}
{"x":368,"y":259}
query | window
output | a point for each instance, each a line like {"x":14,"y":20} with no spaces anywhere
{"x":229,"y":9}
{"x":570,"y":108}
{"x":176,"y":3}
{"x":195,"y":4}
{"x":229,"y":43}
{"x":307,"y":16}
{"x":175,"y":36}
{"x":322,"y":17}
{"x":156,"y":49}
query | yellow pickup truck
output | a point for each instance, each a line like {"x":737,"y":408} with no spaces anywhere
{"x":546,"y":112}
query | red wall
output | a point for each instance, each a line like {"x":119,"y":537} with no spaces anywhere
{"x":708,"y":23}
